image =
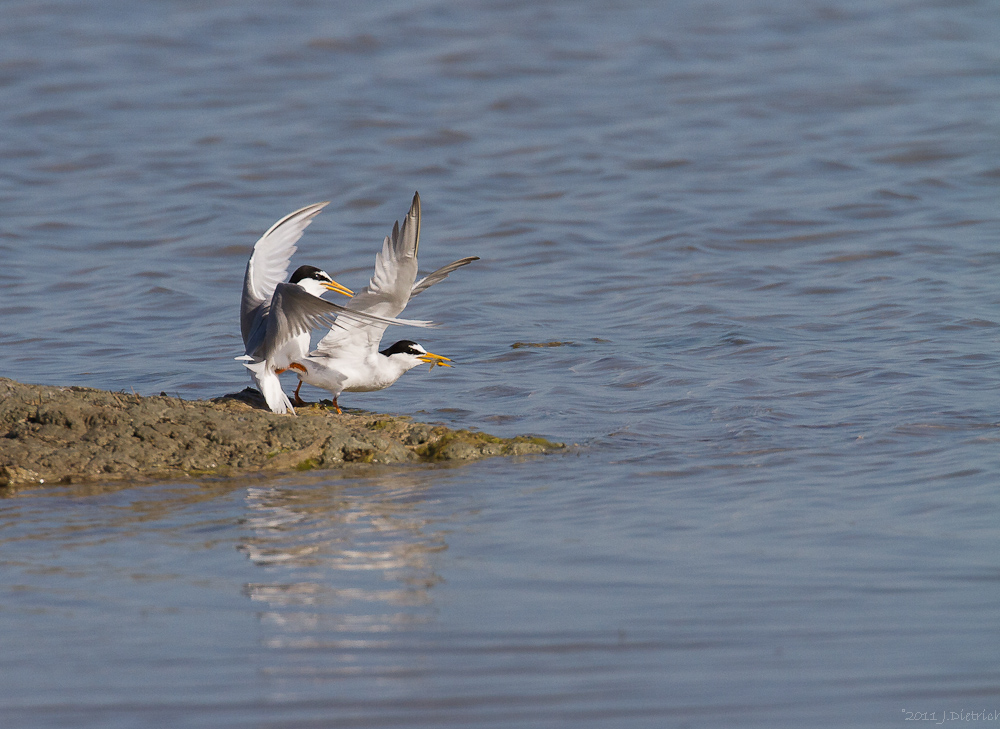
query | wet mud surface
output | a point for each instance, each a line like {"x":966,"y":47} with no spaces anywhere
{"x":64,"y":435}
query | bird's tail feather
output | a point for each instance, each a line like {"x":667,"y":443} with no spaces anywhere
{"x":270,"y":387}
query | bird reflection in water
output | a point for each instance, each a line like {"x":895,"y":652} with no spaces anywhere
{"x":341,"y":563}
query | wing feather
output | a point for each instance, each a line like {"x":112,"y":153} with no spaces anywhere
{"x":396,"y":263}
{"x":293,"y":311}
{"x":268,"y":265}
{"x":440,"y":275}
{"x":388,"y":291}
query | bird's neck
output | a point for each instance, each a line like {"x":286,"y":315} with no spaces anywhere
{"x":312,"y":286}
{"x":390,"y":369}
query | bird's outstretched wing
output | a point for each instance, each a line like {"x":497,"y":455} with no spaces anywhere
{"x":293,"y":311}
{"x":268,"y":265}
{"x":388,"y":291}
{"x":440,"y":275}
{"x":395,"y":267}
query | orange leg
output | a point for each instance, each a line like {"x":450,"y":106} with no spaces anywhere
{"x":339,"y":411}
{"x":298,"y":399}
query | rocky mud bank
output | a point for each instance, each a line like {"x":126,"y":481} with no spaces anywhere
{"x":57,"y":435}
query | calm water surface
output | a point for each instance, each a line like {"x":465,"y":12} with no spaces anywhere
{"x":765,"y":233}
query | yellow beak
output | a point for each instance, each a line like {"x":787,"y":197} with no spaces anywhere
{"x":339,"y":288}
{"x":435,"y":359}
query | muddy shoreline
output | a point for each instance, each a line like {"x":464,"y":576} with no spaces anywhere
{"x":59,"y":435}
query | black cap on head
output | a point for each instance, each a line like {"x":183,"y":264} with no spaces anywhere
{"x":307,"y":272}
{"x":403,"y":346}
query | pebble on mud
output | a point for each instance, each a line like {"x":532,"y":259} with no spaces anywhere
{"x":55,"y":435}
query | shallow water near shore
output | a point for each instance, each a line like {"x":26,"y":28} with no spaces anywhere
{"x":761,"y":238}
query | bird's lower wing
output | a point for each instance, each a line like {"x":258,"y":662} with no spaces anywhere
{"x":294,"y":311}
{"x":440,"y":275}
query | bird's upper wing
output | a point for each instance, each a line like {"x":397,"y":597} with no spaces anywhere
{"x":396,"y":264}
{"x":388,"y":291}
{"x":440,"y":275}
{"x":268,"y":265}
{"x":293,"y":311}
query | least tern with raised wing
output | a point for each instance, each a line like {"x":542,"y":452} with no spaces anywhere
{"x":348,"y":358}
{"x":276,"y":318}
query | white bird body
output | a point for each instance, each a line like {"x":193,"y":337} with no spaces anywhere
{"x":349,"y":373}
{"x":276,"y":318}
{"x":347,"y":358}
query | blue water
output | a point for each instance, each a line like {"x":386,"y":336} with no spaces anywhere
{"x":765,"y":233}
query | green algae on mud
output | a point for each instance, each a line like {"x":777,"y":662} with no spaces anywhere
{"x":57,"y":435}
